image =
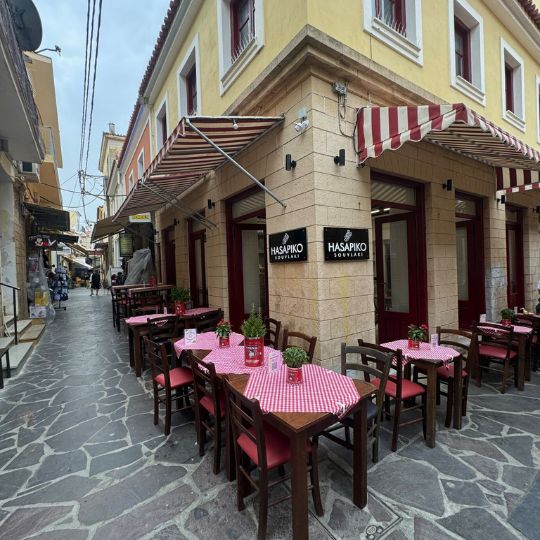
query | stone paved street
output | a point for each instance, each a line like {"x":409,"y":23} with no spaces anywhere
{"x":81,"y":459}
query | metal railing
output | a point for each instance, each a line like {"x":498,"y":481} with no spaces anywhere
{"x":14,"y":290}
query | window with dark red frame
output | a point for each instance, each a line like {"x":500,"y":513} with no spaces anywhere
{"x":509,"y":86}
{"x":462,"y":46}
{"x":191,"y":91}
{"x":242,"y":25}
{"x":392,"y":12}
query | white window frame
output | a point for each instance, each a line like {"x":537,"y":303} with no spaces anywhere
{"x":229,"y":71}
{"x":409,"y":46}
{"x":537,"y":86}
{"x":191,"y":59}
{"x":140,"y":161}
{"x":157,"y":123}
{"x":130,"y":181}
{"x":476,"y":89}
{"x":517,"y":119}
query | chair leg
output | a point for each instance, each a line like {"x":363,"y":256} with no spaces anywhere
{"x":449,"y":403}
{"x":240,"y":480}
{"x":375,"y":450}
{"x":314,"y":477}
{"x":263,"y":503}
{"x":156,"y":405}
{"x":168,"y":404}
{"x":8,"y":366}
{"x":438,"y":401}
{"x":387,"y":407}
{"x":397,"y":414}
{"x":504,"y":376}
{"x":465,"y":396}
{"x":198,"y":430}
{"x":217,"y":445}
{"x":1,"y":374}
{"x":348,"y":434}
{"x":424,"y":415}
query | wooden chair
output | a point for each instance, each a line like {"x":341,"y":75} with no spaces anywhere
{"x":121,"y":307}
{"x":376,"y":364}
{"x":496,"y":347}
{"x":166,"y":381}
{"x":399,"y":389}
{"x":527,"y":319}
{"x":259,"y":446}
{"x":273,"y":330}
{"x":209,"y":406}
{"x":308,"y":342}
{"x":207,"y":323}
{"x":466,"y":343}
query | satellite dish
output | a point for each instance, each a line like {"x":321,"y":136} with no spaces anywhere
{"x":27,"y":24}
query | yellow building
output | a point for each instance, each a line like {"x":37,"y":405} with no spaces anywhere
{"x":444,"y":247}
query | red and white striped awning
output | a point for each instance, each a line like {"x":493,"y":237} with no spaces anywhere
{"x":455,"y":127}
{"x":186,"y":157}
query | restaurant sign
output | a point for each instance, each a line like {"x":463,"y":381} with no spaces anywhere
{"x":345,"y":244}
{"x":126,"y":244}
{"x":141,"y":218}
{"x":288,"y":246}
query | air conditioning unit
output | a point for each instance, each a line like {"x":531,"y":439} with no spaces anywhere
{"x":30,"y":171}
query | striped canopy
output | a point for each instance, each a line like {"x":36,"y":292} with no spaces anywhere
{"x":455,"y":127}
{"x":186,"y":157}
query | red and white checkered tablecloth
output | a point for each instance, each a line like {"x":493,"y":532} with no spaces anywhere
{"x":515,"y":327}
{"x":207,"y":341}
{"x":425,"y":352}
{"x":231,"y":360}
{"x":322,"y":391}
{"x":143,"y":319}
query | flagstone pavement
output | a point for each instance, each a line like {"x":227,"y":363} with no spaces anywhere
{"x":80,"y":458}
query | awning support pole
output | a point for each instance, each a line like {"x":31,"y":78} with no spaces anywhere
{"x":193,"y":214}
{"x":234,"y":162}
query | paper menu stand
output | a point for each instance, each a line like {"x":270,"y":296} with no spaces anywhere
{"x":483,"y":317}
{"x":190,"y":336}
{"x":273,"y":363}
{"x":165,"y":311}
{"x":434,"y":340}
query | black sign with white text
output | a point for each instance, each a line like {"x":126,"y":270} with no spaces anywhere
{"x":288,"y":246}
{"x":345,"y":244}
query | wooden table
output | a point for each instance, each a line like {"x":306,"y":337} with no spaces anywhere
{"x":523,"y":333}
{"x":299,"y":427}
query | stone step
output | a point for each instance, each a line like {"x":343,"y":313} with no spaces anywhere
{"x":18,"y":354}
{"x":22,"y":325}
{"x":32,"y":333}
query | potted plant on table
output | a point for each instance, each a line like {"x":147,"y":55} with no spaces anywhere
{"x":416,"y":333}
{"x":180,"y":295}
{"x":294,"y":358}
{"x":223,"y":332}
{"x":507,"y":316}
{"x":253,"y":330}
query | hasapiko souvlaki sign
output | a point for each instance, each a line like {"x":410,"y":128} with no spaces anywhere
{"x":345,"y":244}
{"x":288,"y":246}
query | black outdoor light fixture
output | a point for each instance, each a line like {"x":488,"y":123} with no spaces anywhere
{"x":502,"y":199}
{"x":536,"y":209}
{"x":447,"y":185}
{"x":210,"y":204}
{"x":289,"y":162}
{"x":340,"y":158}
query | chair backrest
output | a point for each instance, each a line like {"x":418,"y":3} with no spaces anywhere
{"x":246,"y":418}
{"x":273,"y":330}
{"x":464,"y":341}
{"x":163,"y":328}
{"x":307,"y":342}
{"x":205,"y":382}
{"x":158,"y":359}
{"x":207,"y":323}
{"x":497,"y":335}
{"x":524,"y":319}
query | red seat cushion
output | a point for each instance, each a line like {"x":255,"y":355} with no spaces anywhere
{"x":492,"y":351}
{"x":208,"y":404}
{"x":409,"y":389}
{"x":278,"y":449}
{"x":179,"y":376}
{"x":448,"y":372}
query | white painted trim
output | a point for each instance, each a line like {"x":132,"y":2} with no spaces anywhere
{"x":409,"y":47}
{"x":164,"y":101}
{"x":230,"y":71}
{"x":130,"y":181}
{"x":185,"y":66}
{"x":537,"y":86}
{"x":141,"y":155}
{"x":517,"y":120}
{"x":476,"y":92}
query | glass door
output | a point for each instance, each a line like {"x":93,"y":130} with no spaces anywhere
{"x":197,"y":268}
{"x":514,"y":258}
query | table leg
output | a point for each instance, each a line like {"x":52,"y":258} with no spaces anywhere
{"x":528,"y":358}
{"x":131,"y":351}
{"x":230,"y":462}
{"x":431,"y":405}
{"x":299,"y":486}
{"x":360,"y":455}
{"x":521,"y":361}
{"x":458,"y":391}
{"x":137,"y":351}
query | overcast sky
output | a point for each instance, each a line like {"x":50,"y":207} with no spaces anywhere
{"x":129,"y":29}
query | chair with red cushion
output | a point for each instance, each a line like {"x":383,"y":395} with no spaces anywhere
{"x":371,"y":363}
{"x":209,"y":406}
{"x":399,"y":389}
{"x":308,"y":342}
{"x":496,"y":347}
{"x":533,"y":322}
{"x":273,"y":329}
{"x":257,"y":445}
{"x":168,"y":383}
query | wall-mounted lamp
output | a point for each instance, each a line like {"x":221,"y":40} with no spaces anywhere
{"x":340,"y":158}
{"x":234,"y":124}
{"x":301,"y":125}
{"x":502,"y":199}
{"x":536,"y":209}
{"x":447,"y":185}
{"x":175,"y":222}
{"x":210,"y":204}
{"x":290,"y":163}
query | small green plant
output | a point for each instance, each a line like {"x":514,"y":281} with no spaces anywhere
{"x":223,"y":329}
{"x":508,"y":314}
{"x":294,"y":357}
{"x":253,"y":326}
{"x":417,"y":333}
{"x":180,"y":294}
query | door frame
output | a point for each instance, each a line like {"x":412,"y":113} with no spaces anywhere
{"x":166,"y":246}
{"x":192,"y":238}
{"x":520,"y":263}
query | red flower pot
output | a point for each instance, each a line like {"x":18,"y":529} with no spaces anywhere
{"x":224,"y":342}
{"x":294,"y":375}
{"x":506,"y":322}
{"x":253,"y":351}
{"x":413,"y":344}
{"x":152,"y":282}
{"x":179,"y":308}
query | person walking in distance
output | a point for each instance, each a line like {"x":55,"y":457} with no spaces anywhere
{"x":95,"y":283}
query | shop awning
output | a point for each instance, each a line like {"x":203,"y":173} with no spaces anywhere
{"x":76,"y":247}
{"x":78,"y":261}
{"x":50,"y":218}
{"x":197,"y":146}
{"x":454,"y":127}
{"x":105,"y":227}
{"x":61,"y":236}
